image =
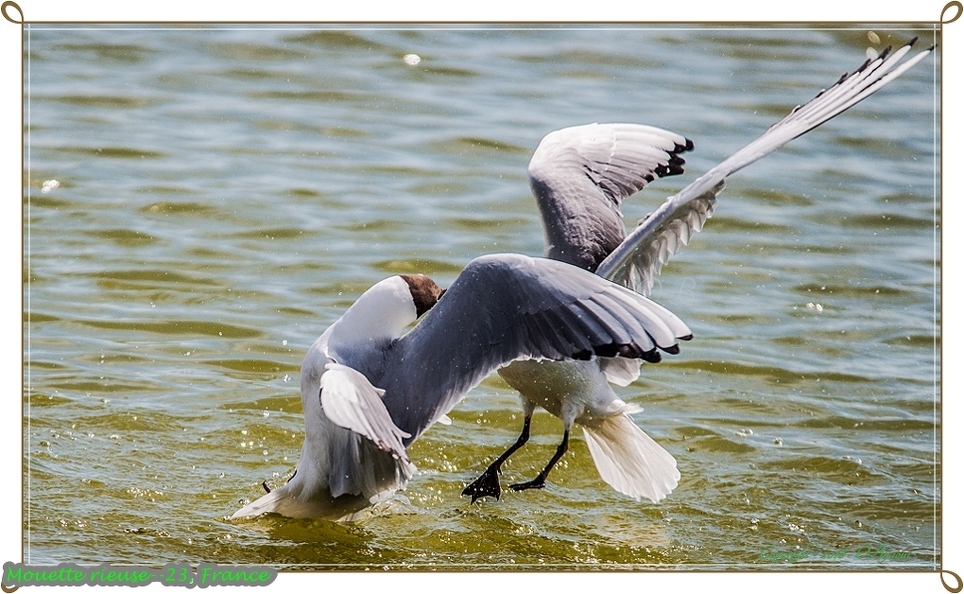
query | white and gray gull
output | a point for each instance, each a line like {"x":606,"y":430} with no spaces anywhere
{"x":579,"y":177}
{"x":558,"y":328}
{"x":369,"y":388}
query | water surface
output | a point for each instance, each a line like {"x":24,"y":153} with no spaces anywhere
{"x":224,"y":193}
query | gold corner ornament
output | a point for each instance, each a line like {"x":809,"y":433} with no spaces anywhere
{"x":5,"y":9}
{"x":957,"y":15}
{"x":960,"y":584}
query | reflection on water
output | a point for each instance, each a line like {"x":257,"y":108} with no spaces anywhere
{"x":222,"y":195}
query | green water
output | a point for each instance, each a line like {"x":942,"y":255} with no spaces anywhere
{"x":224,"y":194}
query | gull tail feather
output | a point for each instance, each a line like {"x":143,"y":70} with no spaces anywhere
{"x":273,"y":502}
{"x":285,"y":501}
{"x":629,"y":460}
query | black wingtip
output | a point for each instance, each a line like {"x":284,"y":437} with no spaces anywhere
{"x":672,"y":350}
{"x":673,"y":167}
{"x":682,"y":148}
{"x":628,"y":351}
{"x":687,"y":337}
{"x":652,"y":356}
{"x":583,"y":355}
{"x":912,"y":41}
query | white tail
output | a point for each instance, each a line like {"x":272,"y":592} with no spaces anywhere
{"x":282,"y":501}
{"x":629,"y":460}
{"x":274,"y":501}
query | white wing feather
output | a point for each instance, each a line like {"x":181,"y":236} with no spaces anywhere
{"x":351,"y":402}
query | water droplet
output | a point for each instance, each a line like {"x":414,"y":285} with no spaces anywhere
{"x":412,"y":59}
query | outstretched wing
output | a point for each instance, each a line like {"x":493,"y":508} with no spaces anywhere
{"x":507,"y":307}
{"x":580,"y":176}
{"x":658,"y":236}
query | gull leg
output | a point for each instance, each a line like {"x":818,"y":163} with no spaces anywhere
{"x":487,"y":485}
{"x":540,"y":481}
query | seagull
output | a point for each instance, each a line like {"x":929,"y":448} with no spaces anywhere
{"x":558,"y":329}
{"x":580,"y":176}
{"x":369,"y":387}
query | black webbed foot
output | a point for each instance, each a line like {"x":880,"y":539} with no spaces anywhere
{"x":536,"y":483}
{"x":486,"y":485}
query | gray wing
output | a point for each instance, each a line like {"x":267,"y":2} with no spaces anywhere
{"x":580,"y":175}
{"x":507,"y":307}
{"x":657,"y":237}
